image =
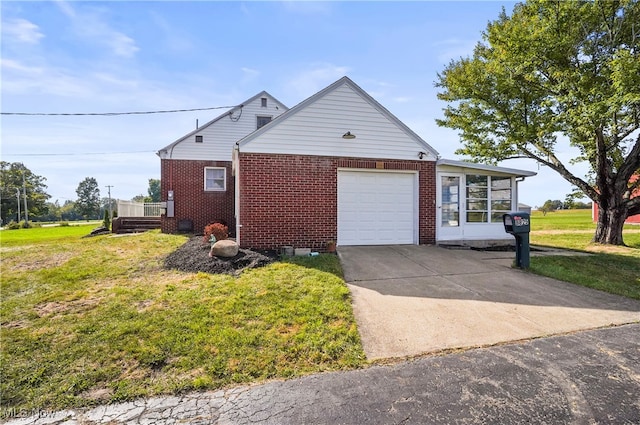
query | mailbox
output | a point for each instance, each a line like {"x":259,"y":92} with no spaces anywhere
{"x":519,"y":225}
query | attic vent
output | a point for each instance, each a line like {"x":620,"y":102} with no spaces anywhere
{"x":264,"y":102}
{"x":198,"y":139}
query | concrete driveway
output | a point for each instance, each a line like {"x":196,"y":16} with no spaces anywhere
{"x":410,"y":300}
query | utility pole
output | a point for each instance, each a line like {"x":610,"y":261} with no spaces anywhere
{"x":110,"y":207}
{"x":24,"y":192}
{"x":18,"y":198}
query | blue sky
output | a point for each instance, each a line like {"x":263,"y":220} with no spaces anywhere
{"x":120,"y":56}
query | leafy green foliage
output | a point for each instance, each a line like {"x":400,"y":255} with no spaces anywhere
{"x":154,"y":190}
{"x":556,"y":68}
{"x":88,"y":202}
{"x":11,"y":181}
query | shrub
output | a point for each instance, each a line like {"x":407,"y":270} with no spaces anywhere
{"x":13,"y":225}
{"x":218,"y":230}
{"x":106,"y":221}
{"x":64,"y":224}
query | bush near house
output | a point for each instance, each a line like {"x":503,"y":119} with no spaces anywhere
{"x":218,"y":230}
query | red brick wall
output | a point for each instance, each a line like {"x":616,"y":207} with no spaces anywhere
{"x":186,"y":179}
{"x":292,"y":199}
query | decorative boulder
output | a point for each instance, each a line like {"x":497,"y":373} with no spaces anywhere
{"x":224,"y":248}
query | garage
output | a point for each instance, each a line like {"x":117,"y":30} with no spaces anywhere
{"x":377,"y":207}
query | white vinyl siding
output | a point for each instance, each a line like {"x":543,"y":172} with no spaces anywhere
{"x":317,"y":129}
{"x":215,"y":179}
{"x":220,"y":137}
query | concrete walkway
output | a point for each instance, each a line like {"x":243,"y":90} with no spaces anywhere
{"x":410,"y":300}
{"x":588,"y":377}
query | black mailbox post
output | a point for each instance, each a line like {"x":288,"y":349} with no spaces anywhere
{"x":519,"y":225}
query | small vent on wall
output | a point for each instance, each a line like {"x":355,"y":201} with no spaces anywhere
{"x":198,"y":139}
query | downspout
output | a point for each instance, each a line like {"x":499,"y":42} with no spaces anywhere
{"x":517,"y":188}
{"x":236,"y":174}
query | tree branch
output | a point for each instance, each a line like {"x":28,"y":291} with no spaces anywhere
{"x":557,"y":166}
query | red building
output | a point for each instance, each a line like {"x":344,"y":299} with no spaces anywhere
{"x":632,"y":219}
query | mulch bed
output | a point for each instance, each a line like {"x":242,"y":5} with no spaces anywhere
{"x":193,"y":256}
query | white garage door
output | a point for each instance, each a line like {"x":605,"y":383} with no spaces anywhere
{"x":376,"y":208}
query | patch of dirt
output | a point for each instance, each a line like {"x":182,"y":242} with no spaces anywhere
{"x":56,"y":308}
{"x":38,"y":261}
{"x":193,"y":256}
{"x":97,"y":394}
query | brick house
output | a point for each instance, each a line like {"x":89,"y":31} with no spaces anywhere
{"x":340,"y":167}
{"x":195,"y":170}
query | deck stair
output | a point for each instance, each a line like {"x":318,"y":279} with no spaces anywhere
{"x":135,"y":224}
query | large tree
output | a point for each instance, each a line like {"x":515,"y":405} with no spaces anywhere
{"x":557,"y":69}
{"x":154,"y":190}
{"x":88,"y":202}
{"x":16,"y":177}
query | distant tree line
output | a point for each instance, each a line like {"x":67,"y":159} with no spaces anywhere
{"x":569,"y":203}
{"x":18,"y":183}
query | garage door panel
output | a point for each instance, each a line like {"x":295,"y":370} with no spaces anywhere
{"x":376,"y":208}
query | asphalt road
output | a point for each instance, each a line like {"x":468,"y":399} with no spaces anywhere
{"x":586,"y":377}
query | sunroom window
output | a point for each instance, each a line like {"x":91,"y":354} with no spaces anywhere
{"x":500,"y":197}
{"x":477,"y":199}
{"x":488,"y":198}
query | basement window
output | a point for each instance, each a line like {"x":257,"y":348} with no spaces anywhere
{"x":215,"y":179}
{"x":199,"y":139}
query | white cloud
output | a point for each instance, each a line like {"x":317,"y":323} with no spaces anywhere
{"x":312,"y":81}
{"x":174,"y":38}
{"x":13,"y":65}
{"x":249,"y":74}
{"x":22,"y":31}
{"x":90,"y":24}
{"x":19,"y":78}
{"x":453,"y":49}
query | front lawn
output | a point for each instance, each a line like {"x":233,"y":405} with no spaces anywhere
{"x":94,"y":320}
{"x":611,"y":268}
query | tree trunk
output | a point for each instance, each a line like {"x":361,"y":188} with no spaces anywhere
{"x":610,"y":225}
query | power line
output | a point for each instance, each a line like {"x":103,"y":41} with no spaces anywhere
{"x":110,"y":114}
{"x":75,"y":153}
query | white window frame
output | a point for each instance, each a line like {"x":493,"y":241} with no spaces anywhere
{"x":224,"y":179}
{"x":489,"y":199}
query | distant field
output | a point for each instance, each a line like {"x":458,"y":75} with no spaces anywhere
{"x":574,"y":229}
{"x":614,"y":269}
{"x":563,"y":219}
{"x":43,"y":234}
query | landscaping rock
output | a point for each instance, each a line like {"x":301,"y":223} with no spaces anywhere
{"x":193,"y":257}
{"x":99,"y":231}
{"x":224,"y":248}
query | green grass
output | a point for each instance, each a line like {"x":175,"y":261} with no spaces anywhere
{"x":616,"y":274}
{"x":94,"y":320}
{"x":42,"y":235}
{"x":611,"y":269}
{"x":563,"y":220}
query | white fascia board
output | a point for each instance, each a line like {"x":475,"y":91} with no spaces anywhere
{"x":485,"y":167}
